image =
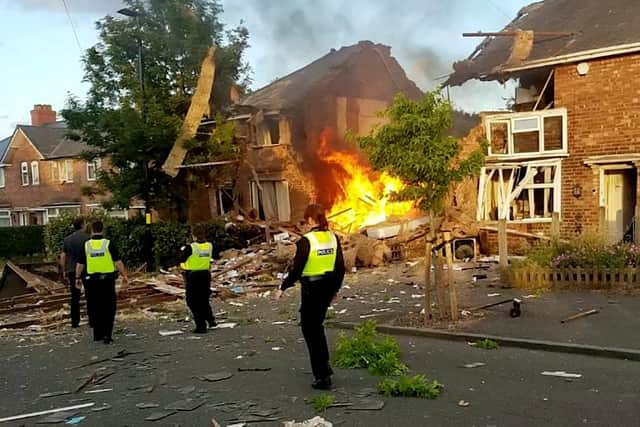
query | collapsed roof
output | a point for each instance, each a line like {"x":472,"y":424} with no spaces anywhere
{"x":594,"y":27}
{"x":288,"y":91}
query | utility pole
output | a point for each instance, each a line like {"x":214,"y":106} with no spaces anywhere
{"x":148,"y":238}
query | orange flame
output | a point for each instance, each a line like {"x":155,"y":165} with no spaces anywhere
{"x":364,"y":196}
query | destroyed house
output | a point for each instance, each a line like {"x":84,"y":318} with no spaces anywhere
{"x":283,"y":125}
{"x":42,"y":173}
{"x":570,"y":145}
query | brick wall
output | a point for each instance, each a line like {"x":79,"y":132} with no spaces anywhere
{"x":603,"y":118}
{"x":47,"y":192}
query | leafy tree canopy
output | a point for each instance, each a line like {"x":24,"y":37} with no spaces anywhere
{"x":414,"y":146}
{"x":134,"y":127}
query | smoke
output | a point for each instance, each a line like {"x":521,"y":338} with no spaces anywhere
{"x":425,"y":35}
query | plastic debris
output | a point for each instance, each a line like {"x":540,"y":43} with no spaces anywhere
{"x":493,"y":295}
{"x":463,"y":403}
{"x":48,"y":411}
{"x":75,"y":420}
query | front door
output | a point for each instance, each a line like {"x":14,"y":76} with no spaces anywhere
{"x":619,"y":200}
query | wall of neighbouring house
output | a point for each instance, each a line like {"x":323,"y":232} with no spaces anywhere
{"x":46,"y":192}
{"x":603,"y":119}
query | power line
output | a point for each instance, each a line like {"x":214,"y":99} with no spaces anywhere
{"x":73,"y":27}
{"x":499,"y":9}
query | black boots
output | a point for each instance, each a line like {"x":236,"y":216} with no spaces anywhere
{"x":322,"y":384}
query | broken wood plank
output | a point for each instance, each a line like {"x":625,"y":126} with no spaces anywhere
{"x":580,"y":315}
{"x":46,"y":412}
{"x":493,"y":304}
{"x":199,"y":107}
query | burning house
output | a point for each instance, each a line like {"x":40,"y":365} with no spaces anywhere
{"x":295,"y":141}
{"x":570,"y":146}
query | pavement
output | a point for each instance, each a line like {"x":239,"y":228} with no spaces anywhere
{"x":399,"y":288}
{"x":508,"y":390}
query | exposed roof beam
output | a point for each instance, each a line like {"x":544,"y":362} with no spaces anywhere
{"x":515,"y":33}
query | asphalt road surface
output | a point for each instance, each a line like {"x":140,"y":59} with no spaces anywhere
{"x":508,"y":390}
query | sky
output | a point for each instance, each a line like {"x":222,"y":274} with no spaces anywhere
{"x":41,"y":59}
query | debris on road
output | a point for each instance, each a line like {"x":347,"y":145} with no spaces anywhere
{"x":580,"y":315}
{"x":219,"y":376}
{"x":46,"y":412}
{"x":313,"y":422}
{"x":561,"y":374}
{"x":463,"y":403}
{"x":170,"y":333}
{"x":474,"y":365}
{"x":156,"y":416}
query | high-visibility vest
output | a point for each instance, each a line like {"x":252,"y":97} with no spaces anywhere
{"x":99,"y":260}
{"x":200,"y":258}
{"x":322,"y":253}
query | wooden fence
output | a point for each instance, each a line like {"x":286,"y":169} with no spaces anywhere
{"x":574,"y":278}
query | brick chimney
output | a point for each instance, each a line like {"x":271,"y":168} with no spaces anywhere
{"x":42,"y":114}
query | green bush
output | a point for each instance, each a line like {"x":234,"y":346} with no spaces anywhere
{"x":589,"y":252}
{"x":379,"y":354}
{"x":322,"y":402}
{"x":55,"y":232}
{"x":168,"y":237}
{"x":406,"y":386}
{"x":22,"y":241}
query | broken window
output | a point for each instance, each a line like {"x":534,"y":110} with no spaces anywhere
{"x":271,"y":200}
{"x":499,"y":132}
{"x":225,"y":199}
{"x":268,"y":132}
{"x":523,"y":134}
{"x":519,"y":192}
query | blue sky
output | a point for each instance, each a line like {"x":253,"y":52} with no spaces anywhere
{"x":40,"y":61}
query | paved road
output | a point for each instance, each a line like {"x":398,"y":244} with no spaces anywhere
{"x":508,"y":391}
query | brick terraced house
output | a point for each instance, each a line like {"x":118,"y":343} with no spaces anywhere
{"x":571,"y":144}
{"x":42,"y":174}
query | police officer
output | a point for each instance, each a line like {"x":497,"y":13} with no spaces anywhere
{"x":101,"y":258}
{"x":319,"y":265}
{"x":196,"y":260}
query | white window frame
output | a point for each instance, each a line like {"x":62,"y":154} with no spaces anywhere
{"x":2,"y":177}
{"x":507,"y":192}
{"x":35,"y":173}
{"x":68,"y":168}
{"x":5,"y":214}
{"x":512,"y":118}
{"x":96,"y":164}
{"x":23,"y":218}
{"x":47,"y":216}
{"x":24,"y":173}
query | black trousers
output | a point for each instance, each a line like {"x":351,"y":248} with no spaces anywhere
{"x":198,"y":285}
{"x":102,"y":300}
{"x":75,"y":299}
{"x":316,"y":299}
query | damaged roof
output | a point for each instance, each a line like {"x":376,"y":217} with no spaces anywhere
{"x":51,"y":141}
{"x":595,"y":25}
{"x":291,"y":89}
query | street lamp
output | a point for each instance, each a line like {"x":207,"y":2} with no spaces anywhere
{"x":145,"y":169}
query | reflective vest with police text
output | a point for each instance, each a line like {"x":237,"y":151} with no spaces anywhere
{"x":322,"y":253}
{"x":99,"y":260}
{"x":200,"y":258}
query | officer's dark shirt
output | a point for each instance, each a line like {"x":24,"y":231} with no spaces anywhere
{"x":74,"y":248}
{"x":300,"y":260}
{"x":113,"y":250}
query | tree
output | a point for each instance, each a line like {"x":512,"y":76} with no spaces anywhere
{"x":134,"y":125}
{"x":414,"y":145}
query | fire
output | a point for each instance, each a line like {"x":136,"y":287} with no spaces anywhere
{"x":364,"y":193}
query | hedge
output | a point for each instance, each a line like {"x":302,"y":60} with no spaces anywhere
{"x":21,"y":241}
{"x":168,"y":237}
